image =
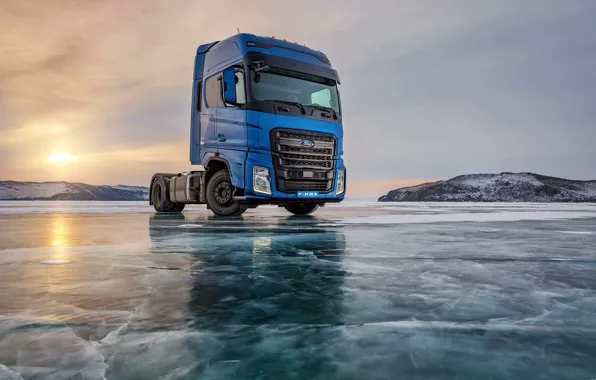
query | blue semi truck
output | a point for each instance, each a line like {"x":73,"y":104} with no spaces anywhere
{"x":266,"y":128}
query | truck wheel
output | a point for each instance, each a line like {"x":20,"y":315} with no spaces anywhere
{"x":220,"y":195}
{"x":241,"y":211}
{"x":301,"y":208}
{"x":178,"y":207}
{"x":160,"y":196}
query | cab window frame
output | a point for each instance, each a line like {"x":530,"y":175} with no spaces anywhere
{"x":211,"y":96}
{"x":237,"y":68}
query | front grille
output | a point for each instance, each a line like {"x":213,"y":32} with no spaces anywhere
{"x":301,"y":174}
{"x":301,"y":185}
{"x":303,"y":168}
{"x":326,"y":151}
{"x":307,"y":135}
{"x":304,"y":162}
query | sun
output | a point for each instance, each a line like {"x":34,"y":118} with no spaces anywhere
{"x":61,"y":158}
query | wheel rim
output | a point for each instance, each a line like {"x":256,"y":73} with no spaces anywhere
{"x":223,"y":193}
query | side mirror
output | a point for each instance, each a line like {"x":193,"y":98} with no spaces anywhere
{"x":229,"y":86}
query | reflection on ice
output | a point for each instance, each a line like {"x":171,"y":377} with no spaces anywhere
{"x":577,"y":232}
{"x":55,"y":261}
{"x":269,"y":296}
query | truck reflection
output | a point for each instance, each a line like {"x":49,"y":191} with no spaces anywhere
{"x":264,"y":295}
{"x":252,"y":274}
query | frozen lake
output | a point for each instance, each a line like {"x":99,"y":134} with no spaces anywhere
{"x":93,"y":290}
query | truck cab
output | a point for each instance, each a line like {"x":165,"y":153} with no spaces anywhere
{"x":266,"y":128}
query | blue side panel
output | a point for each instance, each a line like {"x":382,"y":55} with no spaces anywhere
{"x":195,"y":126}
{"x":201,"y":51}
{"x":252,"y":122}
{"x":195,"y":115}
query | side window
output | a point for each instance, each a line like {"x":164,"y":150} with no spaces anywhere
{"x":212,"y":92}
{"x":199,"y":96}
{"x":322,"y":98}
{"x":240,"y":94}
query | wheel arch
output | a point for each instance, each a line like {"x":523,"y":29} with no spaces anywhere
{"x":217,"y":164}
{"x":214,"y":165}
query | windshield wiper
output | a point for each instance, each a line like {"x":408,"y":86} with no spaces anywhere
{"x":323,"y":108}
{"x":299,"y":105}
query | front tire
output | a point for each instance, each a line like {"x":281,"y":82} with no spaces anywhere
{"x":220,"y":195}
{"x":301,"y":208}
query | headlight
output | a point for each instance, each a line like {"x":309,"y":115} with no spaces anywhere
{"x":341,"y":182}
{"x":261,"y":183}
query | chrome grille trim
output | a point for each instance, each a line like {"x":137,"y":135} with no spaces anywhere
{"x":301,"y":168}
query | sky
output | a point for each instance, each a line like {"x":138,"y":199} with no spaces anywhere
{"x":430,"y":89}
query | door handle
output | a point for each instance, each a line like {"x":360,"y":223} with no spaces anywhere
{"x":221,"y":138}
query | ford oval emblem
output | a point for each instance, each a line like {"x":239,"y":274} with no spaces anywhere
{"x":307,"y":143}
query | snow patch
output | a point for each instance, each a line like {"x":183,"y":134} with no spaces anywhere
{"x":18,"y":190}
{"x":494,"y":180}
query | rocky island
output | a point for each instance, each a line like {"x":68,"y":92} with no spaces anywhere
{"x":502,"y":187}
{"x":70,"y":191}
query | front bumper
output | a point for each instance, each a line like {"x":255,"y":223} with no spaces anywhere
{"x":252,"y":200}
{"x":278,"y":197}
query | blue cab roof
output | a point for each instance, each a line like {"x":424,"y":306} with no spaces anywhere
{"x":234,"y":48}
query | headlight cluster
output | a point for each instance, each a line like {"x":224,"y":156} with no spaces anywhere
{"x":261,"y":180}
{"x":341,"y":182}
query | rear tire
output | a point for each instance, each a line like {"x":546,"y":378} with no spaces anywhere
{"x":160,"y":197}
{"x":301,"y":208}
{"x":178,"y":207}
{"x":220,"y":195}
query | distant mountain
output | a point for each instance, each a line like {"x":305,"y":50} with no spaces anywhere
{"x":503,"y":187}
{"x":70,"y":191}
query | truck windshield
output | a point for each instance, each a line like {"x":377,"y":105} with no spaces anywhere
{"x":292,"y":86}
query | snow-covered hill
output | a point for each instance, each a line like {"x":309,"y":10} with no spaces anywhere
{"x":503,"y":187}
{"x":12,"y":190}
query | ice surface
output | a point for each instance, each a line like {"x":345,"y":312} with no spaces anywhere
{"x":468,"y":217}
{"x":358,"y":291}
{"x":74,"y":207}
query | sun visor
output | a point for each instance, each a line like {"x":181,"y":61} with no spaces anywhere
{"x":291,"y":64}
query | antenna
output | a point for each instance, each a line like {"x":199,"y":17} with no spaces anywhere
{"x":238,"y":29}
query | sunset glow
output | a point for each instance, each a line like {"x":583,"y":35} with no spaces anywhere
{"x":61,"y":158}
